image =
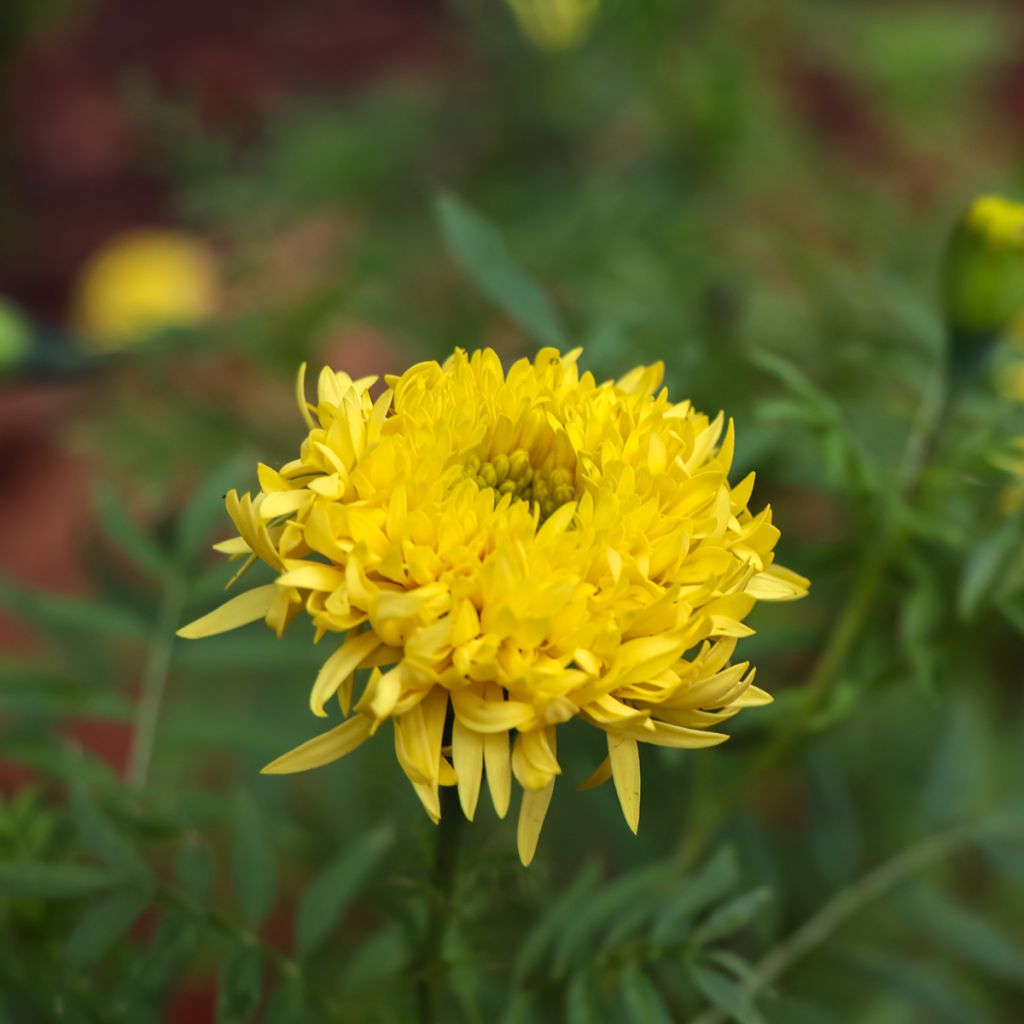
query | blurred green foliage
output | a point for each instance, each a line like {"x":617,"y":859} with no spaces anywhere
{"x":759,"y":194}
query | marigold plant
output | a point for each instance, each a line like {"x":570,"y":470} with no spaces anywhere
{"x":507,"y":552}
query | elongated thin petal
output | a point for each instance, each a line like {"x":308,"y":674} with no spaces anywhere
{"x":625,"y":763}
{"x":239,"y":611}
{"x":661,"y":734}
{"x":778,"y":584}
{"x":601,"y":774}
{"x":468,"y":759}
{"x":499,"y":770}
{"x":494,"y":715}
{"x":338,"y":667}
{"x":322,"y":749}
{"x":531,"y":819}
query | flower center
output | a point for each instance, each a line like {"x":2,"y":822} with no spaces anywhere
{"x":514,"y":474}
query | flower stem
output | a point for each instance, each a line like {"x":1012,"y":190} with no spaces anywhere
{"x":430,"y":986}
{"x":818,"y":928}
{"x":154,"y":682}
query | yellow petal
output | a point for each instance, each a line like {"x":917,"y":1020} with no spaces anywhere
{"x":468,"y":758}
{"x":625,"y":764}
{"x":239,"y":611}
{"x":300,"y":396}
{"x":531,"y":819}
{"x":499,"y":771}
{"x":777,"y":583}
{"x":490,"y":715}
{"x":429,"y":797}
{"x":661,"y":734}
{"x":602,"y":773}
{"x":322,"y":749}
{"x":312,"y":576}
{"x":232,"y":546}
{"x":338,"y":667}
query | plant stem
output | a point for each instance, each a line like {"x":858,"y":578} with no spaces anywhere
{"x":430,"y":985}
{"x":154,"y":682}
{"x":849,"y":901}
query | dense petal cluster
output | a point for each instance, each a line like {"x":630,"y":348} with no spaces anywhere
{"x":504,"y":553}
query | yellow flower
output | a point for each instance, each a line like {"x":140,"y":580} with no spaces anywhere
{"x":555,"y":24}
{"x":143,"y":282}
{"x":508,"y":552}
{"x":997,"y":220}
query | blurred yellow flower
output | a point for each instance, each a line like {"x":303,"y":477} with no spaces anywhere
{"x":555,"y":24}
{"x":142,"y":282}
{"x":505,"y":553}
{"x":997,"y":220}
{"x":983,"y":276}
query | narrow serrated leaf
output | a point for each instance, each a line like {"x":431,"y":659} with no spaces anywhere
{"x":325,"y":901}
{"x":641,"y":1000}
{"x":976,"y":939}
{"x":56,"y":613}
{"x":287,"y":1005}
{"x":205,"y":510}
{"x":985,"y":566}
{"x":692,"y":894}
{"x":241,"y":985}
{"x":730,"y":917}
{"x":581,"y":1001}
{"x":253,"y":861}
{"x":127,"y":536}
{"x":481,"y":251}
{"x":557,"y":912}
{"x":53,"y":881}
{"x":195,"y":869}
{"x":102,"y":837}
{"x":578,"y":937}
{"x":725,"y":993}
{"x":102,"y":925}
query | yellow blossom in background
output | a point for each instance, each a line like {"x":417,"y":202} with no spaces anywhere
{"x":555,"y":24}
{"x":983,"y":277}
{"x":142,"y":282}
{"x":997,"y":220}
{"x":505,"y":553}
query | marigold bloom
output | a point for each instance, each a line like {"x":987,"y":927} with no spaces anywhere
{"x":511,"y":551}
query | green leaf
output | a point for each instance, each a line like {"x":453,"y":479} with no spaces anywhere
{"x":56,"y":613}
{"x":986,"y":566}
{"x":482,"y":253}
{"x":325,"y":901}
{"x":976,"y":939}
{"x":253,"y":861}
{"x":724,"y":993}
{"x":641,"y":1000}
{"x":787,"y":1010}
{"x":287,"y":1005}
{"x":195,"y":868}
{"x":53,"y":881}
{"x":102,"y":925}
{"x":127,"y":536}
{"x":557,"y":912}
{"x":715,"y":879}
{"x":578,"y":938}
{"x":519,"y":1009}
{"x":381,"y":956}
{"x":205,"y":510}
{"x":955,"y":784}
{"x":580,"y":1001}
{"x":241,"y":985}
{"x":155,"y":969}
{"x":102,"y":837}
{"x":918,"y":984}
{"x":731,"y":916}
